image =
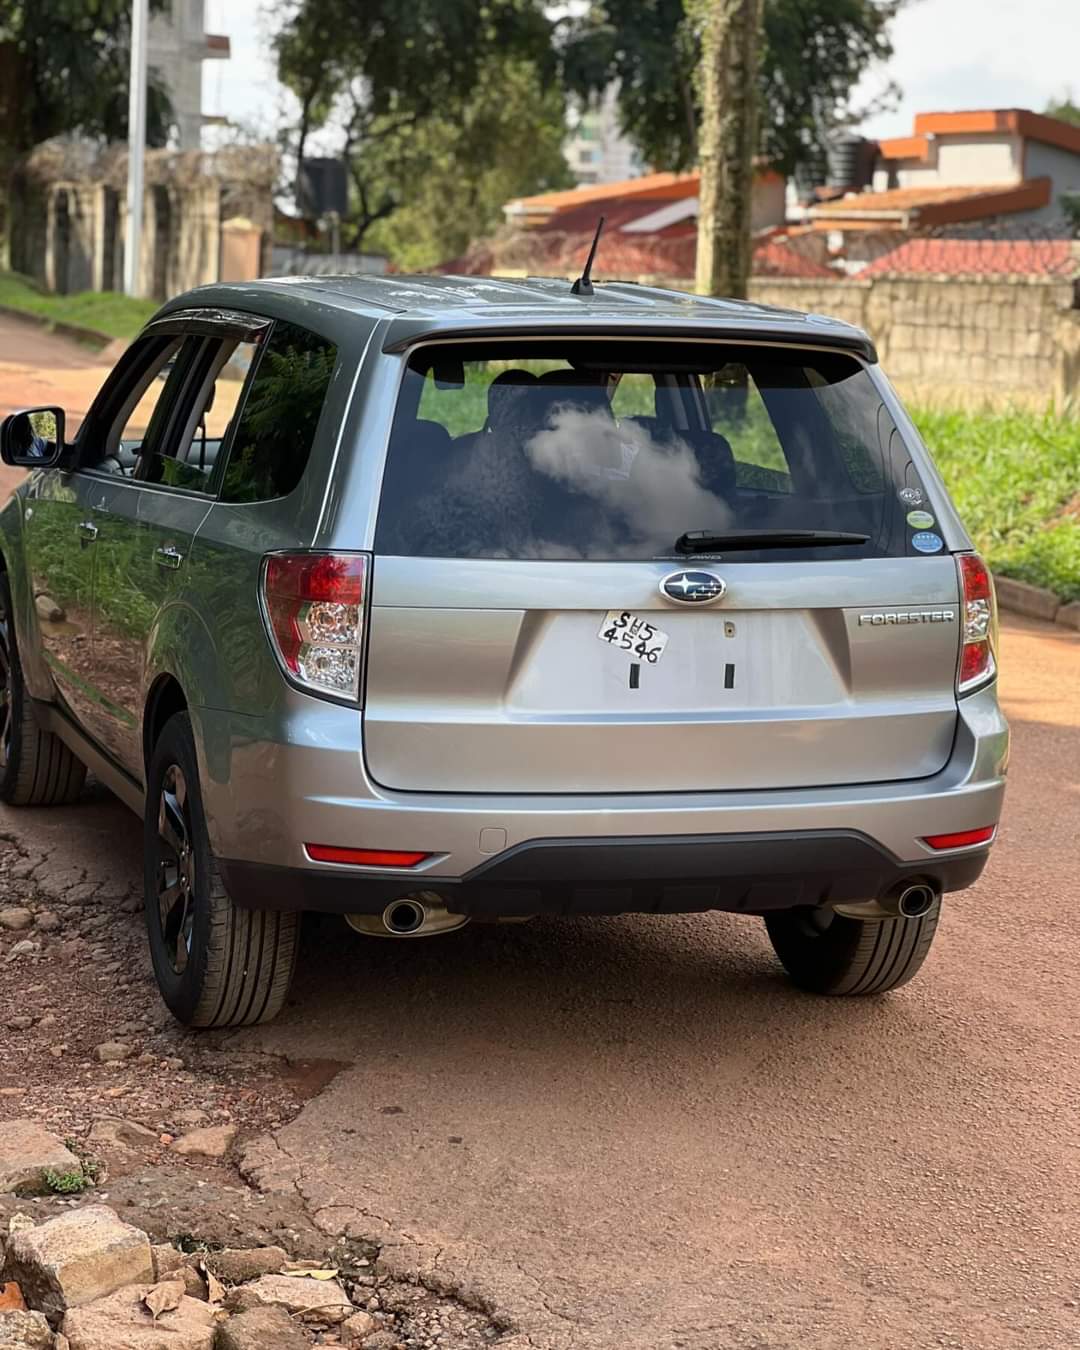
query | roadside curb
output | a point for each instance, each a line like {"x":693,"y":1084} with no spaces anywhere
{"x":1036,"y":602}
{"x":71,"y":330}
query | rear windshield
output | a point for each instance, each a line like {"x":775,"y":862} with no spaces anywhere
{"x":629,"y":451}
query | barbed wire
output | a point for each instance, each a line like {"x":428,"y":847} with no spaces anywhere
{"x":1000,"y":248}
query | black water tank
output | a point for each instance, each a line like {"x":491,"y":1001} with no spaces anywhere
{"x":850,"y":162}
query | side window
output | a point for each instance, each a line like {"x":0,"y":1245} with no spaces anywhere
{"x":276,"y":428}
{"x":142,"y":407}
{"x":738,"y":413}
{"x":206,"y":415}
{"x":634,"y":396}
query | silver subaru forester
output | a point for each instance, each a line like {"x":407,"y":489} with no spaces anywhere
{"x":428,"y":600}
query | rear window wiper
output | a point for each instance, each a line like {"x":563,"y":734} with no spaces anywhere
{"x":703,"y":541}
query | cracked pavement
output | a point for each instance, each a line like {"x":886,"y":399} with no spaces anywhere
{"x":633,"y":1133}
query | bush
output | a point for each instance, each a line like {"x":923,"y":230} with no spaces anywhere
{"x":1015,"y":479}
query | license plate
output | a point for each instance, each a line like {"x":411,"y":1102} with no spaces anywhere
{"x":637,"y":637}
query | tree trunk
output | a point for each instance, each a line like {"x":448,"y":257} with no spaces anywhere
{"x":727,"y":140}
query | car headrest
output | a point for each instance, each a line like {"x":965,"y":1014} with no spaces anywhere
{"x":503,"y":394}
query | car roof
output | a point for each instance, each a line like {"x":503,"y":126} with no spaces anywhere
{"x":428,"y":307}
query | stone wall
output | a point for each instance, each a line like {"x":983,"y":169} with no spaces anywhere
{"x":962,"y":342}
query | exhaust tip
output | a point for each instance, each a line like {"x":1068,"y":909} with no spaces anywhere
{"x":404,"y":916}
{"x":915,"y":901}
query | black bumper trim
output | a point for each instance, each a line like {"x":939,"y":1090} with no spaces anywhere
{"x":739,"y":873}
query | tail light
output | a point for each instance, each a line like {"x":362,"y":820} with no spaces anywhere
{"x":314,"y":607}
{"x":962,"y":838}
{"x":978,"y":654}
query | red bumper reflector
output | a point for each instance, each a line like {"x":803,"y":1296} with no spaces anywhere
{"x":964,"y":839}
{"x":363,"y":857}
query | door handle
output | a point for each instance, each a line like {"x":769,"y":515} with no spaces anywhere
{"x":168,"y":557}
{"x":88,"y":531}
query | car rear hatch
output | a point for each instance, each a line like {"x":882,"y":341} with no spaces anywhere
{"x":609,"y":566}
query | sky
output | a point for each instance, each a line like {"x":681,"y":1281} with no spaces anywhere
{"x":948,"y":54}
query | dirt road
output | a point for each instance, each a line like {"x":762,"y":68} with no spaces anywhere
{"x":634,"y":1133}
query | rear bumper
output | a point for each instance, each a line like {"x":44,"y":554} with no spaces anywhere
{"x":270,"y":787}
{"x":747,"y":874}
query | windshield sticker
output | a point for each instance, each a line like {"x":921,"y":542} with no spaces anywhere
{"x":920,"y":520}
{"x":911,"y":496}
{"x":927,"y":543}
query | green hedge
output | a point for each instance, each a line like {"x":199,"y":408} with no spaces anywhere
{"x":105,"y":312}
{"x":1015,"y":479}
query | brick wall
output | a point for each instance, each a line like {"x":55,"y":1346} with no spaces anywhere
{"x":960,"y":342}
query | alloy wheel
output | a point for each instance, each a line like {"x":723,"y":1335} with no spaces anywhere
{"x":176,"y":869}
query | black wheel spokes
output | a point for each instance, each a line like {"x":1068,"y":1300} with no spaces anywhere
{"x":5,"y":691}
{"x":176,"y":870}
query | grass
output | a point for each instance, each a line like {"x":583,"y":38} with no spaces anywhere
{"x":106,"y":312}
{"x":1015,"y":479}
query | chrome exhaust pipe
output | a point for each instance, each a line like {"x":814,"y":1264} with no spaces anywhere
{"x":422,"y":914}
{"x":404,"y":917}
{"x":909,"y":901}
{"x":915,"y":901}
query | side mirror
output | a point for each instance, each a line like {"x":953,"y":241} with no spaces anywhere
{"x":33,"y":439}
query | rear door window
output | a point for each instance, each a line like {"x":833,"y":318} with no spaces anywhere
{"x":273,"y":431}
{"x":617,"y":449}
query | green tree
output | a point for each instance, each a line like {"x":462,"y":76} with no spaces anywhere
{"x":450,"y":177}
{"x":812,"y":53}
{"x":1064,"y":108}
{"x":394,"y":77}
{"x":64,"y":66}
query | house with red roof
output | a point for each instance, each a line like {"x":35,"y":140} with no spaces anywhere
{"x":990,"y":172}
{"x":650,"y":230}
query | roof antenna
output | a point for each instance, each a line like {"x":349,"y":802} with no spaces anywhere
{"x":583,"y":285}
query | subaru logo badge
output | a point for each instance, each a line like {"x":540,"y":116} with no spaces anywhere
{"x":693,"y":588}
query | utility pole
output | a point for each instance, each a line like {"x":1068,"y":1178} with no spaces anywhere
{"x":728,"y":84}
{"x":136,"y":146}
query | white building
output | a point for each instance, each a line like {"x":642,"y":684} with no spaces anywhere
{"x":177,"y":46}
{"x":596,"y":149}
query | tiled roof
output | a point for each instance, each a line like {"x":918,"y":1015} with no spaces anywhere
{"x":662,"y":186}
{"x":978,"y":257}
{"x":982,"y":122}
{"x":938,"y":204}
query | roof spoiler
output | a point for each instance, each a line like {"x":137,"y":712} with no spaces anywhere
{"x":404,"y":332}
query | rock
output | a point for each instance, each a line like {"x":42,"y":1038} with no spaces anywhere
{"x":236,"y":1265}
{"x":25,"y":1330}
{"x":23,"y":948}
{"x":16,"y":919}
{"x":107,"y":1131}
{"x":357,"y":1330}
{"x":76,"y":1258}
{"x":48,"y":921}
{"x":382,"y":1340}
{"x":260,"y":1329}
{"x":322,"y":1302}
{"x":112,"y":1052}
{"x":11,"y":1299}
{"x":26,"y":1150}
{"x":167,"y":1260}
{"x":20,"y":1022}
{"x":213,"y":1141}
{"x":123,"y":1322}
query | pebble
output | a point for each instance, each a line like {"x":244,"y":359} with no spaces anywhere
{"x":112,"y":1052}
{"x":48,"y":921}
{"x":20,"y":1023}
{"x":16,"y":919}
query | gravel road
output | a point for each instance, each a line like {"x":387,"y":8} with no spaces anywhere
{"x":634,"y":1133}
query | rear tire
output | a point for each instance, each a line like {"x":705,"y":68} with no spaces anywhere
{"x":36,"y":767}
{"x":216,"y":965}
{"x":830,"y":953}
